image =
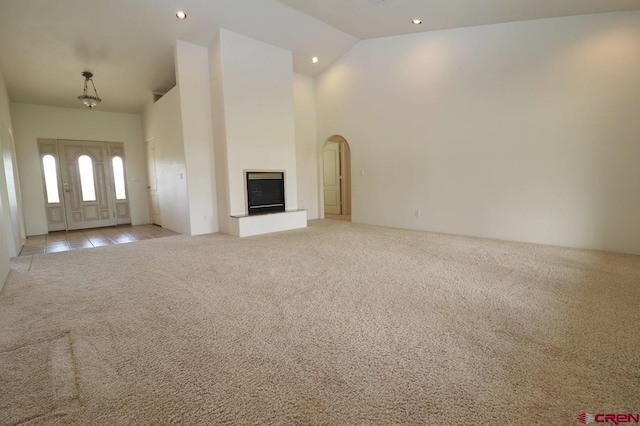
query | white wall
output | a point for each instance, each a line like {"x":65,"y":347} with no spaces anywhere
{"x":257,"y":90}
{"x":192,"y":76}
{"x":219,"y":135}
{"x":10,"y":194}
{"x":10,"y":208}
{"x":35,"y":121}
{"x":163,"y":129}
{"x":524,"y":131}
{"x":306,"y":148}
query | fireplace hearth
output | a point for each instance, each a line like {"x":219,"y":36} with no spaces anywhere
{"x":265,"y":192}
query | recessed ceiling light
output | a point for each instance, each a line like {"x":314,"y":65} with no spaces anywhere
{"x":181,"y":15}
{"x":416,"y":21}
{"x":314,"y":59}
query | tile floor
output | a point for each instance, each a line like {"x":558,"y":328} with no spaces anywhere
{"x":89,"y":238}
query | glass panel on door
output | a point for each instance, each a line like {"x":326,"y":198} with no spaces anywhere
{"x":87,"y":183}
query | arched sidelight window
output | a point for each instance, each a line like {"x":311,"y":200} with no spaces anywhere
{"x":51,"y":178}
{"x":85,"y":167}
{"x":118,"y":178}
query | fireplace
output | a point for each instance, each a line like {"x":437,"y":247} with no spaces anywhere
{"x":265,"y":192}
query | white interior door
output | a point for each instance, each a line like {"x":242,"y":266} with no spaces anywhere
{"x":154,"y":203}
{"x":331,"y":180}
{"x":85,"y":172}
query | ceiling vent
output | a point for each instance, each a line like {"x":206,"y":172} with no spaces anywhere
{"x":378,"y":1}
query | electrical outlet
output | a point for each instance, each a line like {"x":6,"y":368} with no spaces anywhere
{"x":418,"y":213}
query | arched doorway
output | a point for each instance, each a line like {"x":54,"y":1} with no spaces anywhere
{"x":336,"y":178}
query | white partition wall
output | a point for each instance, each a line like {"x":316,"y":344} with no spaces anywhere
{"x":253,"y":121}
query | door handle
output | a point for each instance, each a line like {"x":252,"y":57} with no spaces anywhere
{"x":66,"y":187}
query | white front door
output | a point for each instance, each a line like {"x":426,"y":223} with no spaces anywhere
{"x":119,"y":182}
{"x":85,"y":173}
{"x":51,"y":183}
{"x":332,"y":184}
{"x":153,"y":184}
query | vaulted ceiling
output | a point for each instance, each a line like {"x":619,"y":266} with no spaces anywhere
{"x":367,"y":19}
{"x":128,"y":44}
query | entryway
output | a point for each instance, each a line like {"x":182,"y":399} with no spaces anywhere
{"x":336,"y":166}
{"x":85,"y":184}
{"x":54,"y":242}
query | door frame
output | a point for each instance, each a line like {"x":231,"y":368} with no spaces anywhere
{"x":345,"y":181}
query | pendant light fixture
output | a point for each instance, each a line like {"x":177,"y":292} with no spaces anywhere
{"x":88,"y":100}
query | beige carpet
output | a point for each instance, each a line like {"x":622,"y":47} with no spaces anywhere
{"x":338,"y":324}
